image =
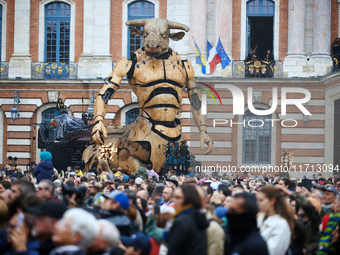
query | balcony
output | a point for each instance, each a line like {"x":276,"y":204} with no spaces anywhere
{"x":54,"y":71}
{"x":257,"y":69}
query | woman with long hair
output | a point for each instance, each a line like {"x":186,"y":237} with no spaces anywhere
{"x":104,"y":171}
{"x":275,"y":220}
{"x":188,"y":232}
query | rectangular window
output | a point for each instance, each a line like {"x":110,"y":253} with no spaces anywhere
{"x":256,"y":139}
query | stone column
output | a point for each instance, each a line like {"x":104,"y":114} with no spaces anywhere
{"x":223,"y":24}
{"x":20,"y":62}
{"x":198,"y":24}
{"x":179,"y":11}
{"x":322,"y":30}
{"x":296,"y":29}
{"x":96,"y":60}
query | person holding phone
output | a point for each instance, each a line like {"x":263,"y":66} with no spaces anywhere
{"x":308,"y":214}
{"x":19,"y":235}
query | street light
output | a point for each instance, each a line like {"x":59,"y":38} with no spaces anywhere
{"x":86,"y":116}
{"x":90,"y":110}
{"x":15,"y":110}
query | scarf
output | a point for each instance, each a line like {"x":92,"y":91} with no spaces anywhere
{"x":181,"y":209}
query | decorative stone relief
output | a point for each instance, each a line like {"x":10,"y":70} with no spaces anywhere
{"x":257,"y":97}
{"x":53,"y":96}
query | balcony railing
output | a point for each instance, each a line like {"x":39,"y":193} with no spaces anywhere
{"x":55,"y":70}
{"x":4,"y":70}
{"x":257,"y":69}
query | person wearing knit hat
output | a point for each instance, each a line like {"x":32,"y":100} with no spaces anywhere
{"x":44,"y":169}
{"x":45,"y":156}
{"x":126,"y":179}
{"x":142,"y":173}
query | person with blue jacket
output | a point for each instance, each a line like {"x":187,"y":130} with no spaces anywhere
{"x":14,"y":171}
{"x":44,"y":169}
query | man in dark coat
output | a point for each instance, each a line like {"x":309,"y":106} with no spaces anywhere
{"x":112,"y":209}
{"x":245,"y":236}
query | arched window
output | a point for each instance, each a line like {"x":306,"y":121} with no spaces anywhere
{"x":131,"y":116}
{"x":138,"y":10}
{"x":57,"y":32}
{"x":260,"y":8}
{"x":256,"y":139}
{"x":260,"y":26}
{"x":46,"y":116}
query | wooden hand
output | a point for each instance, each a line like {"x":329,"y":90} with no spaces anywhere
{"x":205,"y":139}
{"x":98,"y":130}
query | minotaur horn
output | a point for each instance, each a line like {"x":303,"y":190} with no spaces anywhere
{"x":136,"y":22}
{"x":175,"y":25}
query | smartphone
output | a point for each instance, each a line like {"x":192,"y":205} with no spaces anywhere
{"x":307,"y":184}
{"x":156,"y":207}
{"x":20,"y":220}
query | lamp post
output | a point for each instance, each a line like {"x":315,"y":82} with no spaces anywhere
{"x":15,"y":110}
{"x":90,"y":110}
{"x":86,"y":116}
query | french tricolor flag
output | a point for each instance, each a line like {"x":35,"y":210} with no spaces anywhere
{"x":212,"y":59}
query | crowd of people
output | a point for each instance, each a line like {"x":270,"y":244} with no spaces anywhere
{"x":106,"y":211}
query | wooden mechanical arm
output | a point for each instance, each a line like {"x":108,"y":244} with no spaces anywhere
{"x":112,"y":83}
{"x":196,"y":103}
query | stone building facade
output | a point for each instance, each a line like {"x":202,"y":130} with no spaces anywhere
{"x":300,"y":36}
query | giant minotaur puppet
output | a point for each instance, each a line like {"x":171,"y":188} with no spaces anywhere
{"x":158,"y":77}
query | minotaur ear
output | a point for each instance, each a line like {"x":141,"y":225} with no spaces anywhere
{"x":136,"y":31}
{"x":177,"y":36}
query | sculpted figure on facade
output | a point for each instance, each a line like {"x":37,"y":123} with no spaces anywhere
{"x":158,"y":77}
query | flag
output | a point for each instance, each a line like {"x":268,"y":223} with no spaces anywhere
{"x":213,"y":57}
{"x":220,"y":51}
{"x":199,"y":57}
{"x":205,"y":67}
